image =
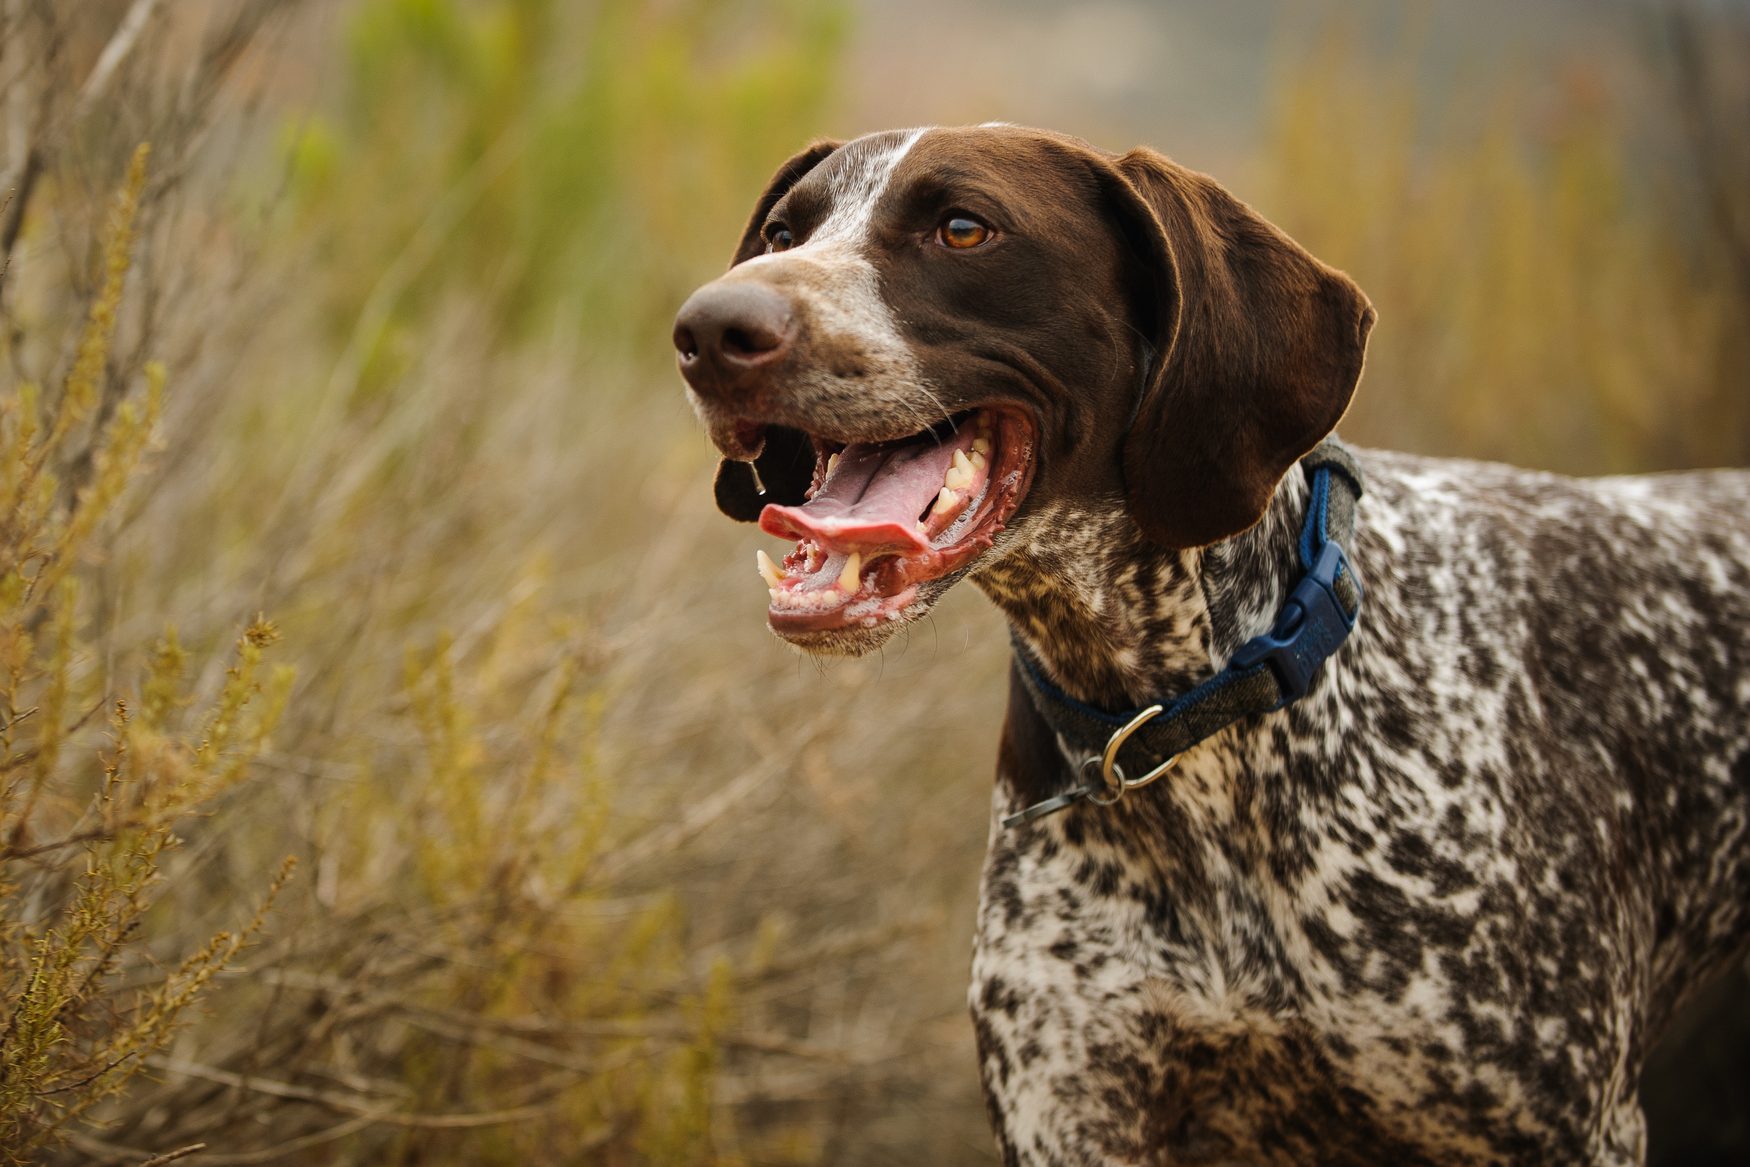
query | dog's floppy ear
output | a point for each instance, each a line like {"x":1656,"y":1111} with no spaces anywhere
{"x":788,"y":175}
{"x":785,"y":467}
{"x":1257,"y":349}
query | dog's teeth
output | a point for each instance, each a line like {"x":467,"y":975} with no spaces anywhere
{"x":959,"y":475}
{"x":977,"y":460}
{"x":981,"y":445}
{"x":851,"y":577}
{"x":832,"y":464}
{"x":945,"y":502}
{"x":768,"y":569}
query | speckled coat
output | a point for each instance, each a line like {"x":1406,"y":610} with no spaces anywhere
{"x":1435,"y":911}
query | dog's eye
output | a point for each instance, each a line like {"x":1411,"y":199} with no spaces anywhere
{"x":778,"y":237}
{"x":960,"y":232}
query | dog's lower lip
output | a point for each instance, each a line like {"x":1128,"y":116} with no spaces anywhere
{"x":750,"y":435}
{"x":865,"y":545}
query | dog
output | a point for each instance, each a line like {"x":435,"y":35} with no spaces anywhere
{"x":1457,"y":817}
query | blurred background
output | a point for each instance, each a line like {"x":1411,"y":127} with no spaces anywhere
{"x":352,"y":515}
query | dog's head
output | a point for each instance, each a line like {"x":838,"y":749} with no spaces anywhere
{"x":924,"y":333}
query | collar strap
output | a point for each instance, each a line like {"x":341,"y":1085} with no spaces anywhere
{"x":1266,"y":673}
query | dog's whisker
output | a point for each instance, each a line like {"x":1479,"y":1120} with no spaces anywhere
{"x":947,"y":414}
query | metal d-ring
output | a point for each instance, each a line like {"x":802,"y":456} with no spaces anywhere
{"x":1113,"y":788}
{"x":1112,"y":774}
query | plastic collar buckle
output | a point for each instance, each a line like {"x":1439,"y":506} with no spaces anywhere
{"x":1308,"y":629}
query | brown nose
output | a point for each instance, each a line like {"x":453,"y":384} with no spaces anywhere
{"x":728,"y":333}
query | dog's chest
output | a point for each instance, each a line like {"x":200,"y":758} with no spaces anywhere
{"x":1123,"y":1017}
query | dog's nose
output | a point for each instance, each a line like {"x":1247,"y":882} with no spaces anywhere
{"x":727,"y":332}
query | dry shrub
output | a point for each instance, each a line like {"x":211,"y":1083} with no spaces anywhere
{"x":589,"y":869}
{"x":90,"y":994}
{"x":492,"y":956}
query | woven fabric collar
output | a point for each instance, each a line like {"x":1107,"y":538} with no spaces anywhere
{"x":1116,"y":752}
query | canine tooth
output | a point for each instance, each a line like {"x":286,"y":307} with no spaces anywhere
{"x":945,"y":502}
{"x":832,"y":463}
{"x":851,"y":577}
{"x":981,"y":445}
{"x":768,"y":569}
{"x":959,"y":475}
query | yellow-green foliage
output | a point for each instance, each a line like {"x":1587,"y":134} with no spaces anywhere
{"x":589,"y":870}
{"x":467,"y":978}
{"x":1544,"y":298}
{"x":485,"y":959}
{"x":564,"y":153}
{"x":513,"y":1006}
{"x":86,"y":819}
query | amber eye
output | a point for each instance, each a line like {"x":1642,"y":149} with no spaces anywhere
{"x":960,"y":232}
{"x":778,"y":237}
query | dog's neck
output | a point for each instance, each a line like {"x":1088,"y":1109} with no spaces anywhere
{"x":1118,"y":621}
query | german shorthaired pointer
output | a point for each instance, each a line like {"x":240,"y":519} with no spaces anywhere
{"x":1420,"y":894}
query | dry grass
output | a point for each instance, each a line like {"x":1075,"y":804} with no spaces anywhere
{"x":88,"y":827}
{"x":588,"y":869}
{"x":1560,"y":262}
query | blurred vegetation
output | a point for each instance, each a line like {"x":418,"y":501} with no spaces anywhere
{"x":485,"y":963}
{"x":588,"y":869}
{"x":558,"y":147}
{"x":1561,"y":263}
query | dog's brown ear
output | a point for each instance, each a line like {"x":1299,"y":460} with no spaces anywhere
{"x":1257,"y":349}
{"x":785,"y":467}
{"x":788,"y":175}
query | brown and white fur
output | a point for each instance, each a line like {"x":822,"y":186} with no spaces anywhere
{"x":1435,"y":912}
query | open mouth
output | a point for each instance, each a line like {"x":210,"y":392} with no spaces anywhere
{"x":884,"y":518}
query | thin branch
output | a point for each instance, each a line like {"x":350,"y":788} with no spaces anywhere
{"x":121,"y":44}
{"x":95,"y":834}
{"x":465,"y":1120}
{"x":18,"y":198}
{"x":97,"y":84}
{"x":670,"y":836}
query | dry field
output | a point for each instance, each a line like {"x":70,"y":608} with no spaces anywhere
{"x":393,"y":764}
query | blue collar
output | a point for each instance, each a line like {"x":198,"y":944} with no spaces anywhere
{"x":1264,"y":674}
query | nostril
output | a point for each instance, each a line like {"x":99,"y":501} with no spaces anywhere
{"x":684,"y":342}
{"x":751,"y":341}
{"x":729,"y":330}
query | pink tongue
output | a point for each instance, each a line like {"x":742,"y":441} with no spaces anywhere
{"x":873,"y":497}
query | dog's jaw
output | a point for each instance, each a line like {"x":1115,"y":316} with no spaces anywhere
{"x":886,"y":528}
